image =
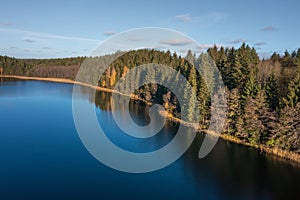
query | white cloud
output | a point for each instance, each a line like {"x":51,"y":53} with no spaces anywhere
{"x":269,"y":28}
{"x":212,"y":17}
{"x":32,"y":39}
{"x":206,"y":46}
{"x":45,"y":35}
{"x":176,"y":42}
{"x":29,"y":40}
{"x":184,"y":17}
{"x":110,"y":33}
{"x":260,"y":43}
{"x":236,"y":41}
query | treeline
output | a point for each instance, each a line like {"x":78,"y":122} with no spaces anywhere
{"x":58,"y":67}
{"x":158,"y":93}
{"x":263,"y":95}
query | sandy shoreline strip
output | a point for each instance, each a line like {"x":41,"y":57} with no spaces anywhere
{"x":274,"y":151}
{"x":59,"y":80}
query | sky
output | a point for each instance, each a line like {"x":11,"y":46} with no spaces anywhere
{"x":47,"y":29}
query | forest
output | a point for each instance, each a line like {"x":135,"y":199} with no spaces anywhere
{"x":263,"y":95}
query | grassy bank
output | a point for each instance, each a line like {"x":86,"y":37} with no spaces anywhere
{"x":286,"y":155}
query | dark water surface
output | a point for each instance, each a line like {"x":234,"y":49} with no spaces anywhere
{"x":42,"y":157}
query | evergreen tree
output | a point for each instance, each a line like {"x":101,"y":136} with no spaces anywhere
{"x":207,"y":70}
{"x":192,"y":78}
{"x":250,"y":89}
{"x":271,"y":91}
{"x":234,"y":111}
{"x":286,"y":60}
{"x":293,"y":95}
{"x":287,"y":136}
{"x":203,"y":99}
{"x":221,"y":61}
{"x":244,"y":57}
{"x":213,"y":53}
{"x":189,"y":103}
{"x":252,"y":128}
{"x":266,"y":117}
{"x":190,"y":57}
{"x":233,"y":74}
{"x":275,"y":57}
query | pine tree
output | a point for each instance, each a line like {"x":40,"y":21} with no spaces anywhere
{"x":244,"y":57}
{"x":287,"y":136}
{"x":271,"y":91}
{"x":213,"y":52}
{"x":189,"y":103}
{"x":190,"y":57}
{"x":233,"y":74}
{"x":192,"y":78}
{"x":250,"y":130}
{"x":275,"y":57}
{"x":286,"y":60}
{"x":250,"y":88}
{"x":203,"y":99}
{"x":221,"y":61}
{"x":266,"y":117}
{"x":252,"y":125}
{"x":234,"y":111}
{"x":207,"y":70}
{"x":293,"y":95}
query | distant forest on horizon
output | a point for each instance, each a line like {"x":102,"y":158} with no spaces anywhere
{"x":263,"y":95}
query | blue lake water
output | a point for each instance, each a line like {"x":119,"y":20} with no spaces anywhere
{"x":42,"y":157}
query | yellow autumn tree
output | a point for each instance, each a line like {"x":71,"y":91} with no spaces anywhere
{"x":112,"y":77}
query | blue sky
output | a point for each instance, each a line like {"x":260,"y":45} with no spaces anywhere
{"x":43,"y":29}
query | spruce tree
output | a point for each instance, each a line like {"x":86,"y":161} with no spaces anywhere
{"x":189,"y":103}
{"x":233,"y":74}
{"x":203,"y":99}
{"x":192,"y":78}
{"x":293,"y":95}
{"x":249,"y":129}
{"x":287,"y":136}
{"x":250,"y":88}
{"x":234,"y":111}
{"x":271,"y":91}
{"x":190,"y":57}
{"x":252,"y":125}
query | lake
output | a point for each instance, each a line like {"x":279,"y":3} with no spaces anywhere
{"x":42,"y":156}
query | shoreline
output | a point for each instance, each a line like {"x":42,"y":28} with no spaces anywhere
{"x":278,"y":153}
{"x":282,"y":154}
{"x":58,"y":80}
{"x":70,"y":81}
